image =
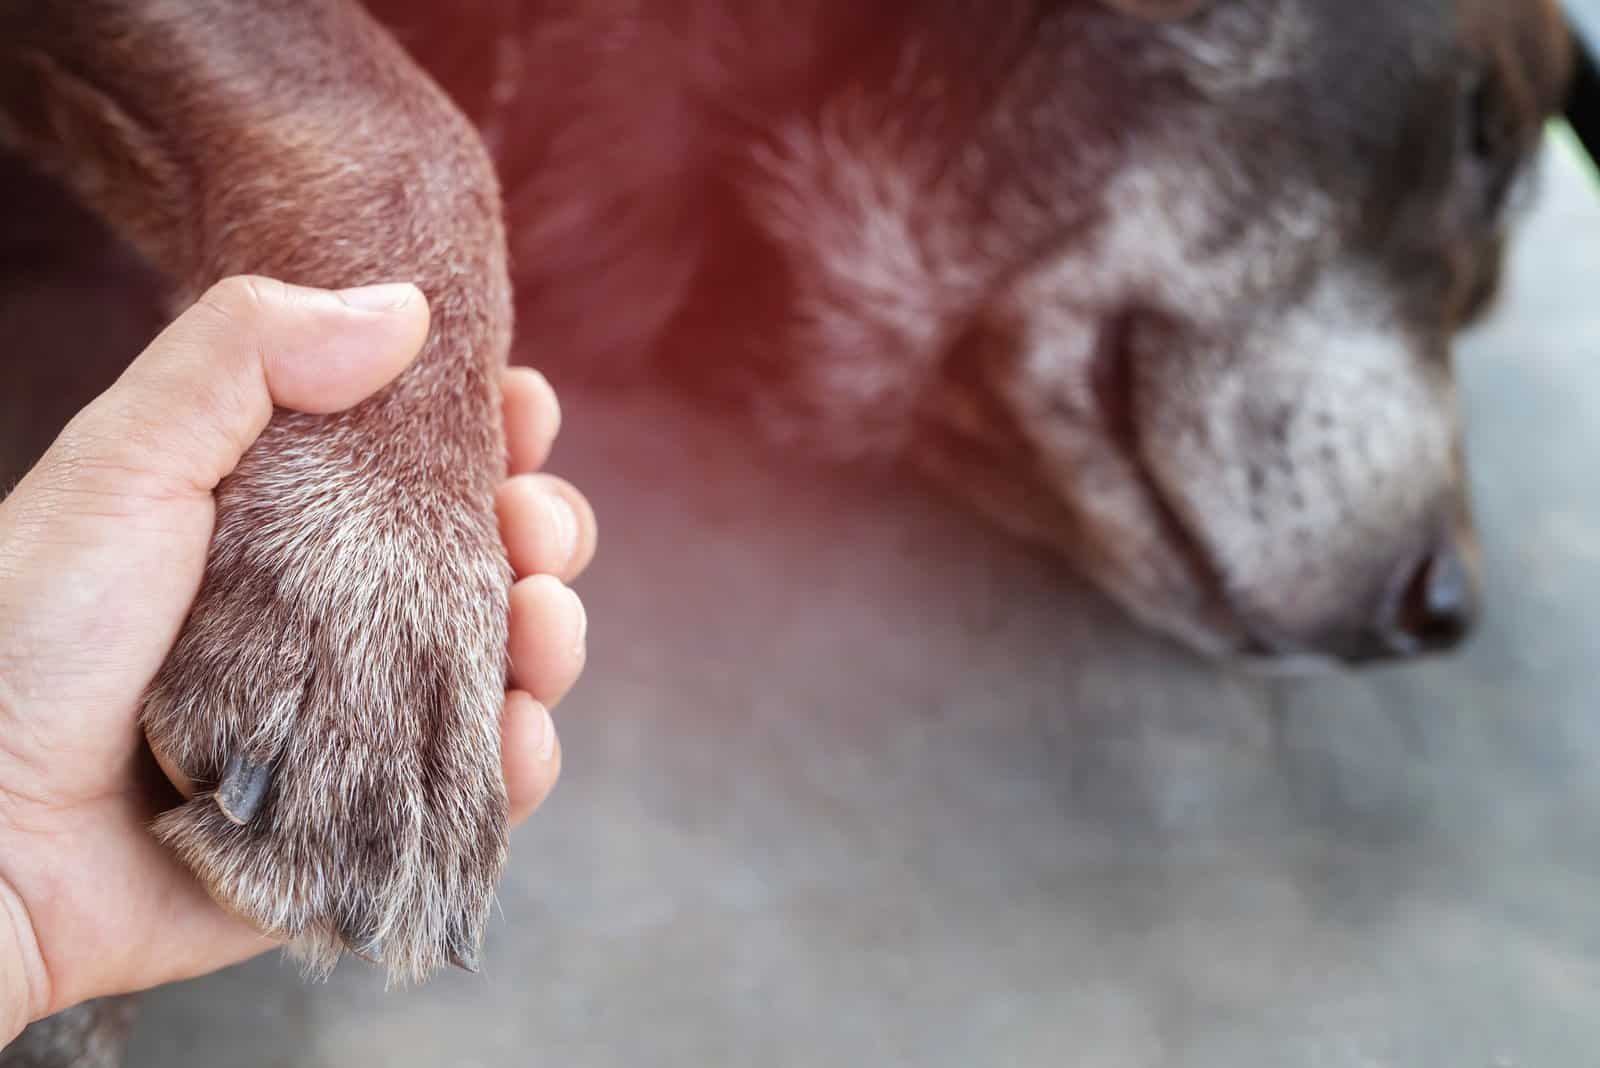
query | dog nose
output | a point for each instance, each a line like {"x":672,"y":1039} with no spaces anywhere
{"x":1433,"y":612}
{"x":1436,"y":609}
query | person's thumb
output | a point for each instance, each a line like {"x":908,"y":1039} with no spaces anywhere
{"x":184,"y":412}
{"x":103,"y":544}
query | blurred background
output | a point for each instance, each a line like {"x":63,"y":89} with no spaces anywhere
{"x":853,"y":780}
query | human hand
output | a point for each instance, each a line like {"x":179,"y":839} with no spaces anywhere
{"x":102,"y":548}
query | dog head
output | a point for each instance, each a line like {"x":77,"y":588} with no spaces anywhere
{"x":1172,"y":285}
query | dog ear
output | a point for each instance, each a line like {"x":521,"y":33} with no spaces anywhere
{"x":1157,"y":10}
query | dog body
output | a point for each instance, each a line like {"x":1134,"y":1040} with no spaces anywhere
{"x":1173,"y":296}
{"x":1168,"y":288}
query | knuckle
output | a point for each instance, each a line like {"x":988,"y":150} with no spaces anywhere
{"x":240,"y":299}
{"x":233,"y":297}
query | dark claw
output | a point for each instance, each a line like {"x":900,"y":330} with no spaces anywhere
{"x":371,"y":951}
{"x":360,"y":938}
{"x":463,"y":950}
{"x":243,"y":788}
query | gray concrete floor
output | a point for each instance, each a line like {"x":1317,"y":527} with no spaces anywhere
{"x":853,"y":781}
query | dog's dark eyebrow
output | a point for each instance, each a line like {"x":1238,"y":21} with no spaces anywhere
{"x":1582,"y":108}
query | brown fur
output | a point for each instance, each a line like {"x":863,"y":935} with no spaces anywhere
{"x":1166,"y":287}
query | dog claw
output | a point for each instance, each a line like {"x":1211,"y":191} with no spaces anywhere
{"x":465,"y":958}
{"x":360,"y":933}
{"x":371,"y":952}
{"x":243,"y":788}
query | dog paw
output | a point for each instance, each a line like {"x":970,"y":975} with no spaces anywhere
{"x":335,"y":698}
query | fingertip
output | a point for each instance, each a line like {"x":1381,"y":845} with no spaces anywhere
{"x":532,"y":418}
{"x":531,"y":754}
{"x":381,"y":297}
{"x":548,"y":637}
{"x":588,"y":528}
{"x":548,"y":527}
{"x":343,"y":346}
